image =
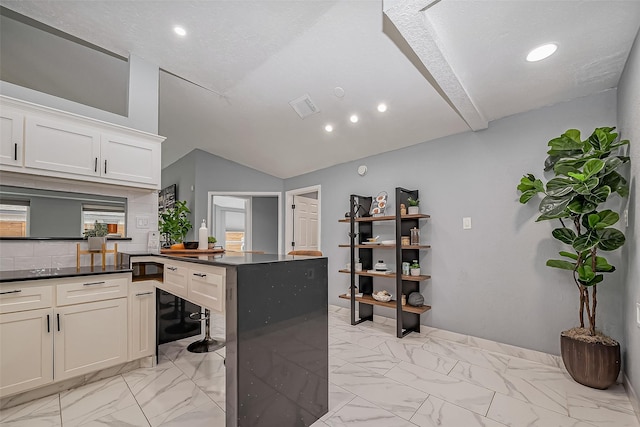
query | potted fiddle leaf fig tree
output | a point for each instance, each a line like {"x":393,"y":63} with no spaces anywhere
{"x":586,"y":176}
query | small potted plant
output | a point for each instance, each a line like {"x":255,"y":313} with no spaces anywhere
{"x":211,"y":241}
{"x":414,"y":268}
{"x":414,"y":204}
{"x":97,"y":236}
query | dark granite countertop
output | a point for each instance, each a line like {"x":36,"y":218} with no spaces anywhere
{"x":226,"y":259}
{"x":53,"y":273}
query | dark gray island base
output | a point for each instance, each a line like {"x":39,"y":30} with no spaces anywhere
{"x":276,"y":339}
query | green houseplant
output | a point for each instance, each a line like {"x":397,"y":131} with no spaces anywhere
{"x":413,"y":206}
{"x":174,"y":223}
{"x":211,"y":242}
{"x":585,"y":177}
{"x":96,"y":236}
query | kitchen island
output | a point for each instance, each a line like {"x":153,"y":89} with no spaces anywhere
{"x":276,"y":334}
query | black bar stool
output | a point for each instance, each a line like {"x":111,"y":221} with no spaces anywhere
{"x":207,"y":344}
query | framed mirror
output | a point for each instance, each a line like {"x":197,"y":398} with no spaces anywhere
{"x":31,"y":213}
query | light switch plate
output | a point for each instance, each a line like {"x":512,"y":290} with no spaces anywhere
{"x":466,"y":223}
{"x":142,"y":221}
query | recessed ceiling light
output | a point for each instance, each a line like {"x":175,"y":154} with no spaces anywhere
{"x":328,"y":128}
{"x":542,"y":52}
{"x":382,"y":107}
{"x":180,"y":31}
{"x":353,"y":118}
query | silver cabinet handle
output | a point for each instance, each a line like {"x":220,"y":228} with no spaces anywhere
{"x":93,"y":283}
{"x":16,"y":291}
{"x":200,"y":274}
{"x":172,"y":268}
{"x":143,"y":293}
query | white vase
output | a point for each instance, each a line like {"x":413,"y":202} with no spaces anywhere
{"x":414,"y":210}
{"x":415,"y":271}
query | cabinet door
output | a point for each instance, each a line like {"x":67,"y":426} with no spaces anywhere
{"x":142,"y":320}
{"x":11,"y":137}
{"x":26,"y":350}
{"x":129,"y":159}
{"x":57,"y":145}
{"x":89,"y":337}
{"x":206,"y":288}
{"x":175,"y":279}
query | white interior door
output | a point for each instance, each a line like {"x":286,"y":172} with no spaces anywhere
{"x":305,"y":223}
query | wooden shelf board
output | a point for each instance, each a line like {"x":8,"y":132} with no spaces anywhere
{"x":368,"y":299}
{"x":157,"y":277}
{"x":384,"y":218}
{"x":388,"y":276}
{"x":386,"y":246}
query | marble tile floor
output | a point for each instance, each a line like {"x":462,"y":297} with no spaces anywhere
{"x":431,"y":379}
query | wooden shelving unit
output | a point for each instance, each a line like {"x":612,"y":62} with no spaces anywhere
{"x":360,"y":229}
{"x":368,"y":299}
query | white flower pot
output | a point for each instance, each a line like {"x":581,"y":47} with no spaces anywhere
{"x":414,"y":210}
{"x":415,"y":271}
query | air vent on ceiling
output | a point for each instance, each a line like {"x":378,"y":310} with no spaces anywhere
{"x":304,"y":106}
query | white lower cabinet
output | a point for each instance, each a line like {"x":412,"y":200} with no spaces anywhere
{"x":89,"y":337}
{"x":45,"y":338}
{"x":26,"y":350}
{"x":175,"y":279}
{"x":206,"y":287}
{"x":142,"y":320}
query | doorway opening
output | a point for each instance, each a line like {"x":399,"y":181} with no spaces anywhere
{"x":246,"y":221}
{"x":302,"y":219}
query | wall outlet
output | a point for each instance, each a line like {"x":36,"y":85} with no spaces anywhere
{"x":142,"y":221}
{"x":466,"y":223}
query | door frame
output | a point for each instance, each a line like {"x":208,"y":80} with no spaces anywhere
{"x":289,"y":217}
{"x":277,"y":194}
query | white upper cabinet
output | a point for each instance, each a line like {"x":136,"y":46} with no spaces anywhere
{"x":53,"y":145}
{"x":11,"y":137}
{"x":129,"y":159}
{"x":65,"y":145}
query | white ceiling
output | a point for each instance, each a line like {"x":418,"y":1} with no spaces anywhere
{"x":256,"y":56}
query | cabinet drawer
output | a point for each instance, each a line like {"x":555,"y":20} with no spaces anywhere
{"x":206,"y":288}
{"x":91,"y":288}
{"x":175,"y":279}
{"x":20,"y":298}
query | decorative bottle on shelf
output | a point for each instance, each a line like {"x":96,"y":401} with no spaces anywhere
{"x":415,"y":236}
{"x":203,"y":235}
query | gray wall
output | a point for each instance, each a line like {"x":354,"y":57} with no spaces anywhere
{"x":264,"y":224}
{"x":208,"y":172}
{"x":183,"y":173}
{"x":489,"y":281}
{"x":628,"y":120}
{"x":55,"y":217}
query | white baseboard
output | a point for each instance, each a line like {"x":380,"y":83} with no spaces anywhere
{"x":633,"y":396}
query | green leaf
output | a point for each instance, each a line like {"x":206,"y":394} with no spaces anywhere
{"x":577,"y":175}
{"x":599,"y":139}
{"x":527,"y":195}
{"x":602,"y":265}
{"x":558,"y":263}
{"x":592,"y":220}
{"x":613,"y":163}
{"x":592,"y":167}
{"x":565,"y":165}
{"x":580,"y":205}
{"x":569,"y":255}
{"x":586,"y":186}
{"x":585,"y":273}
{"x":566,"y":142}
{"x":599,"y":195}
{"x":610,"y":239}
{"x":553,"y":207}
{"x":573,"y":135}
{"x":607,"y":218}
{"x":596,"y":279}
{"x":565,"y":235}
{"x":557,"y":187}
{"x":617,"y":183}
{"x":586,"y":241}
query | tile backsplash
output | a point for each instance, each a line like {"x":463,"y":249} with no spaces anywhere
{"x":28,"y":255}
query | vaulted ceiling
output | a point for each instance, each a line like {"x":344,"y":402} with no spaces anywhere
{"x":442,"y":67}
